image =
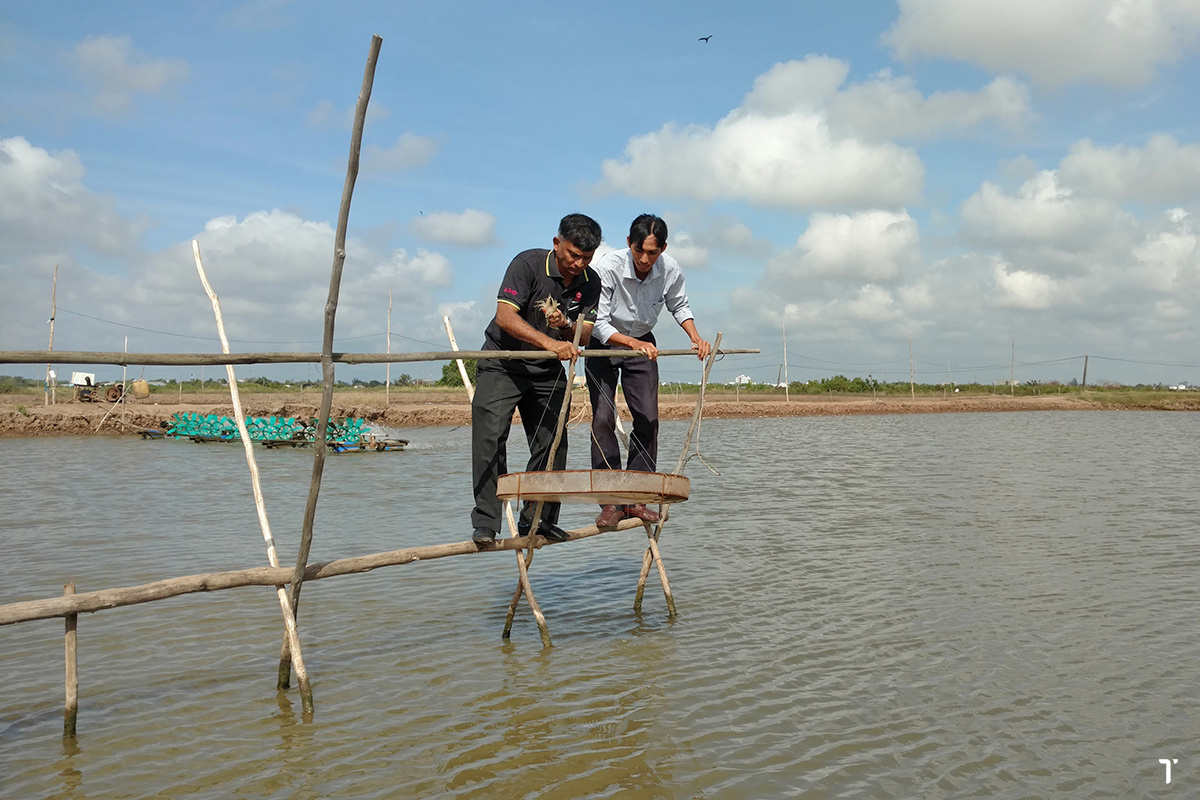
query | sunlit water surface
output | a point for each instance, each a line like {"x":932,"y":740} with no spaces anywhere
{"x":979,"y":605}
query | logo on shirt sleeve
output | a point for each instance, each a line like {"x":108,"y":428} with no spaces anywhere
{"x":507,"y":290}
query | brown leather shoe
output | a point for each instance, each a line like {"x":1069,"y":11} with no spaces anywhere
{"x":610,"y":516}
{"x":641,"y":512}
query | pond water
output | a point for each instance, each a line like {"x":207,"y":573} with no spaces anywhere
{"x":950,"y":605}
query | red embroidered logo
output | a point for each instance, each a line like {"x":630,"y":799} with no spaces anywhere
{"x":509,"y":291}
{"x":579,"y":295}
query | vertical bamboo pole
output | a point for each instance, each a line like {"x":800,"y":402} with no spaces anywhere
{"x":285,"y":604}
{"x":387,"y":384}
{"x":71,"y":709}
{"x":50,"y":389}
{"x":335,"y":282}
{"x":462,"y":368}
{"x":652,"y":555}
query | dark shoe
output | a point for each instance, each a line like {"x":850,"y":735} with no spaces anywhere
{"x":483,"y":536}
{"x":549,"y":530}
{"x":641,"y":512}
{"x":610,"y":516}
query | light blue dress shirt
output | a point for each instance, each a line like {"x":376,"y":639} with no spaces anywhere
{"x":630,"y":306}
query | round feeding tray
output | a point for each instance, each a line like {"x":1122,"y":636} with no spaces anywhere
{"x":599,"y":486}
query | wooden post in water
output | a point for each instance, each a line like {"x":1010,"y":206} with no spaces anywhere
{"x":71,"y":709}
{"x":283,"y":675}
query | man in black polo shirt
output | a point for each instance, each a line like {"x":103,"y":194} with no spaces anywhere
{"x":535,"y":387}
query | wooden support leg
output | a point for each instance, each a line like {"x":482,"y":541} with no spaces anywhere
{"x":523,"y":560}
{"x":662,"y":575}
{"x":652,"y":556}
{"x":71,"y":710}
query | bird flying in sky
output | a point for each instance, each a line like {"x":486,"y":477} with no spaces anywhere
{"x":704,"y":38}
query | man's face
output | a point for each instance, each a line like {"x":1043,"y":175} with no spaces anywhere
{"x":645,"y":253}
{"x":570,"y":259}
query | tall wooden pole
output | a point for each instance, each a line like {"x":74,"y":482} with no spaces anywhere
{"x":1012,"y":370}
{"x":335,"y":282}
{"x":1085,"y":360}
{"x":50,"y":388}
{"x":387,"y":386}
{"x":71,"y":709}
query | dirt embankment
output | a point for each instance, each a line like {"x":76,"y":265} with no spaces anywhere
{"x":28,"y":415}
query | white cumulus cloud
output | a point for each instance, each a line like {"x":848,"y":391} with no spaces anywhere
{"x":409,"y":151}
{"x":1164,"y":171}
{"x":875,"y":246}
{"x":802,"y":139}
{"x":471,"y":228}
{"x":118,"y":72}
{"x":1055,"y":42}
{"x":44,"y":205}
{"x":1020,"y":288}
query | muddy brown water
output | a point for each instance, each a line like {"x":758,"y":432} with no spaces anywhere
{"x":952,"y":605}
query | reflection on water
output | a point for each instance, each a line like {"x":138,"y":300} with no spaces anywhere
{"x":980,"y":605}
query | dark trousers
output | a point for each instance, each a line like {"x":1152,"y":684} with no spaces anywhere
{"x":638,"y":377}
{"x":497,"y":394}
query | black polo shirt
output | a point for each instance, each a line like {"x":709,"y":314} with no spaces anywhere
{"x":532,"y":276}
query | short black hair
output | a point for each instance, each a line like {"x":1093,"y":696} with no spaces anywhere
{"x":581,"y":231}
{"x":648,"y":225}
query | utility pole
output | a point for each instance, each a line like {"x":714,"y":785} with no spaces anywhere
{"x":387,"y":386}
{"x":50,"y":388}
{"x":1012,"y":370}
{"x":912,"y":387}
{"x":786,"y":396}
{"x":1085,"y":359}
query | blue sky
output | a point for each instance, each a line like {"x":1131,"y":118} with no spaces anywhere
{"x":980,"y":176}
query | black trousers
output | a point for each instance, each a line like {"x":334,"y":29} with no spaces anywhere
{"x":638,"y":377}
{"x":497,"y":394}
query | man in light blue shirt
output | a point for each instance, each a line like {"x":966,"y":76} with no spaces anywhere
{"x":636,"y":284}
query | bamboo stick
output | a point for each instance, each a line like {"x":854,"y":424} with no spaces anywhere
{"x":462,"y":368}
{"x":523,"y":581}
{"x":71,"y":709}
{"x":103,"y":599}
{"x":285,"y":605}
{"x":335,"y":281}
{"x":209,"y":359}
